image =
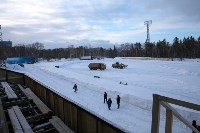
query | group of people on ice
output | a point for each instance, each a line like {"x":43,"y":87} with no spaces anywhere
{"x":109,"y":101}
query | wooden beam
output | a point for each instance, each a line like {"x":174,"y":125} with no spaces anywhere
{"x":14,"y":103}
{"x":59,"y":125}
{"x":10,"y":93}
{"x":6,"y":90}
{"x":30,"y":95}
{"x":155,"y":115}
{"x":38,"y":127}
{"x":15,"y":123}
{"x":26,"y":127}
{"x":169,"y":120}
{"x":182,"y":119}
{"x":25,"y":92}
{"x":179,"y":102}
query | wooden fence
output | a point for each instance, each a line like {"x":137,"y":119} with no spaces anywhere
{"x":75,"y":117}
{"x":10,"y":76}
{"x":170,"y":112}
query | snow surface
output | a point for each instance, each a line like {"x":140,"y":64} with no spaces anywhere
{"x":175,"y":79}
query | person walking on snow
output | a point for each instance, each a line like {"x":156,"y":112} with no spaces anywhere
{"x":105,"y":97}
{"x":194,"y":124}
{"x":109,"y":102}
{"x":75,"y":88}
{"x":118,"y":101}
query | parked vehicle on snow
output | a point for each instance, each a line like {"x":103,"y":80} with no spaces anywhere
{"x":86,"y":58}
{"x":119,"y":65}
{"x":95,"y":66}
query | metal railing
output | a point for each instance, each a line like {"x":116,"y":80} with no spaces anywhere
{"x":170,"y":112}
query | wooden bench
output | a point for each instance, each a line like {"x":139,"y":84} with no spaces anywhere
{"x":31,"y":96}
{"x":19,"y":123}
{"x":59,"y":125}
{"x":9,"y":92}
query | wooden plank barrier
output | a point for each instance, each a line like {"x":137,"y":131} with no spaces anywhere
{"x":44,"y":95}
{"x":14,"y":77}
{"x":3,"y":123}
{"x":59,"y":107}
{"x":71,"y":113}
{"x":2,"y":75}
{"x":105,"y":128}
{"x":50,"y":102}
{"x":88,"y":123}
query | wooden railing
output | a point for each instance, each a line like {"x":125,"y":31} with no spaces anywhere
{"x":170,"y":112}
{"x":11,"y":76}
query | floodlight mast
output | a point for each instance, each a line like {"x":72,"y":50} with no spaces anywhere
{"x":148,"y":23}
{"x":0,"y":34}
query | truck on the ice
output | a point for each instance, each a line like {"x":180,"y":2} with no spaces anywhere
{"x":119,"y":65}
{"x":95,"y":66}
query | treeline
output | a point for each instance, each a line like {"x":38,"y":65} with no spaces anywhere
{"x":186,"y":48}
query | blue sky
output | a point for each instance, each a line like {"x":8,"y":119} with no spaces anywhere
{"x":58,"y":23}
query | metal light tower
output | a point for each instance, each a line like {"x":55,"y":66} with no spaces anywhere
{"x":0,"y":34}
{"x":148,"y":23}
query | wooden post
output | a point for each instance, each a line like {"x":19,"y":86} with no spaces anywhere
{"x":155,"y":114}
{"x":181,"y":118}
{"x":3,"y":123}
{"x":23,"y":79}
{"x":6,"y":76}
{"x":169,"y":120}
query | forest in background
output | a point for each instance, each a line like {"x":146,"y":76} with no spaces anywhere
{"x":180,"y":48}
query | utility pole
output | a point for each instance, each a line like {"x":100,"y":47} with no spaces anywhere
{"x":148,"y":23}
{"x":0,"y":34}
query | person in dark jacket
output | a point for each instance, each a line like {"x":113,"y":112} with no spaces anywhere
{"x":118,"y":101}
{"x":194,"y":124}
{"x":109,"y":102}
{"x":75,"y":88}
{"x":105,"y":97}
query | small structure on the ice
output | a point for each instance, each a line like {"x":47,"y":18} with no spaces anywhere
{"x":86,"y":58}
{"x":96,"y":77}
{"x":123,"y":83}
{"x":21,"y":60}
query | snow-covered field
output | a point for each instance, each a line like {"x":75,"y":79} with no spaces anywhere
{"x":175,"y":79}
